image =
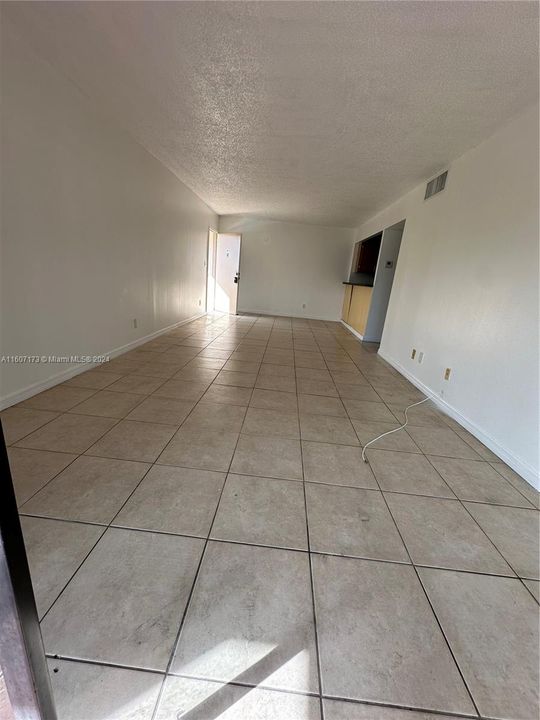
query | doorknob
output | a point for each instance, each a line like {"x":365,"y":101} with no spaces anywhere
{"x":236,"y":277}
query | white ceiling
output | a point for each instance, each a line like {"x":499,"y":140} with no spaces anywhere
{"x":319,"y":112}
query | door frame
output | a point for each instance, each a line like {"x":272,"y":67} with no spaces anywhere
{"x":23,"y":659}
{"x":239,"y":235}
{"x":210,"y":262}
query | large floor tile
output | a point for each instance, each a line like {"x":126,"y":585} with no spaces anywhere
{"x":399,"y":441}
{"x":268,"y":457}
{"x":241,"y":366}
{"x":349,"y":377}
{"x":58,"y":399}
{"x":55,"y":549}
{"x":206,"y":362}
{"x":352,"y":521}
{"x":274,"y":400}
{"x":378,"y":638}
{"x":336,"y":465}
{"x":216,"y":417}
{"x":492,"y":626}
{"x":398,"y":393}
{"x":327,"y":429}
{"x":310,"y":386}
{"x":162,"y":371}
{"x":203,"y":700}
{"x":262,"y":511}
{"x":441,"y":441}
{"x":425,"y":415}
{"x":534,"y":588}
{"x":108,"y":404}
{"x":478,"y":481}
{"x":342,"y":710}
{"x":132,"y":440}
{"x":482,"y":450}
{"x":91,"y":489}
{"x":278,"y":357}
{"x":137,"y":384}
{"x":195,"y":374}
{"x":441,"y":533}
{"x":162,"y":410}
{"x":271,"y":370}
{"x":531,"y":493}
{"x":17,"y":422}
{"x":228,"y":394}
{"x":406,"y":473}
{"x":182,"y":390}
{"x":321,"y":405}
{"x":515,"y":533}
{"x":68,"y":433}
{"x":283,"y":383}
{"x":32,"y":469}
{"x":250,"y":637}
{"x":125,"y":604}
{"x":247,"y":356}
{"x":96,"y":379}
{"x":84,"y":691}
{"x":271,"y":423}
{"x":174,"y":500}
{"x":213,"y":353}
{"x":206,"y":451}
{"x":364,"y":410}
{"x":313,"y":374}
{"x":124,"y":366}
{"x":239,"y":379}
{"x":357,"y":392}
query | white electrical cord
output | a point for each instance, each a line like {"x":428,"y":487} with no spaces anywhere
{"x":364,"y":458}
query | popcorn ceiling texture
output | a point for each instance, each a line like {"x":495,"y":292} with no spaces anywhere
{"x":318,"y":112}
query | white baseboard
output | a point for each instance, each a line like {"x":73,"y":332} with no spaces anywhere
{"x":351,"y":329}
{"x":526,"y":471}
{"x":31,"y":390}
{"x":269,"y":313}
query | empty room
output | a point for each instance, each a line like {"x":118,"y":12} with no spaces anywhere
{"x":269,"y":360}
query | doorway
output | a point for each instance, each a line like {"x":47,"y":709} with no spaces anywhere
{"x":223,"y":272}
{"x":211,"y":270}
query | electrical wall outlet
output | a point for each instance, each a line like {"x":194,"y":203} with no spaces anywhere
{"x":421,"y":357}
{"x":413,"y":354}
{"x":200,"y":302}
{"x":134,"y":322}
{"x":447,"y":373}
{"x":303,"y":306}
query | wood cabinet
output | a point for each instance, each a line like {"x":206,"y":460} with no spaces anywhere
{"x":356,"y":303}
{"x":346,"y":303}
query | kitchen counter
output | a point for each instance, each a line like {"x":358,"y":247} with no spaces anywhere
{"x":358,"y":282}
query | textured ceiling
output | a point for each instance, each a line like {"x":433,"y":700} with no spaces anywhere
{"x":319,"y":112}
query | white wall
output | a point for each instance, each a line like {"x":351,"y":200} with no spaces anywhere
{"x":285,"y":265}
{"x":95,"y":232}
{"x":383,"y":281}
{"x":466,"y":291}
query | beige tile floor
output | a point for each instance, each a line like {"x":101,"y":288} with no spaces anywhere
{"x":205,"y":541}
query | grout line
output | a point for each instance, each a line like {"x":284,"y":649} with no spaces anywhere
{"x":322,"y":553}
{"x":192,"y":590}
{"x":317,"y":331}
{"x":493,"y":462}
{"x":312,"y":585}
{"x":371,"y":703}
{"x":492,"y":542}
{"x":433,"y":611}
{"x":102,"y":534}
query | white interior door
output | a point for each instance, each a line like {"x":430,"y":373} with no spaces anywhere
{"x":227,"y":272}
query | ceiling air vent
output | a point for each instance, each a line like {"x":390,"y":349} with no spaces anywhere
{"x":436,"y":185}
